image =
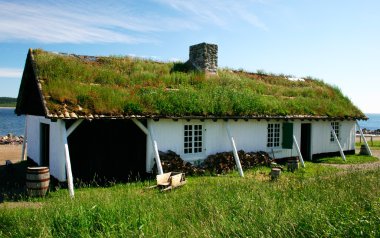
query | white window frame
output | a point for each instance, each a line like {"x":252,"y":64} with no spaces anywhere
{"x":335,"y":125}
{"x":189,"y":150}
{"x":274,"y":135}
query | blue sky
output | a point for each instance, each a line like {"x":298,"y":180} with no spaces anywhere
{"x":334,"y":40}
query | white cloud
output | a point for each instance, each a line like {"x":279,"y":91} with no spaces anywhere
{"x":79,"y":22}
{"x":115,"y":21}
{"x":10,"y":73}
{"x":218,"y":12}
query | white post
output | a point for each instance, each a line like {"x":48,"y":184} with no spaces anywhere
{"x":70,"y":182}
{"x":24,"y":153}
{"x":236,"y":156}
{"x":150,"y":134}
{"x":364,"y":139}
{"x":74,"y":126}
{"x":298,"y":150}
{"x":337,"y":141}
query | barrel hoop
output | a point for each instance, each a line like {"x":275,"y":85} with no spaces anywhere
{"x":40,"y":180}
{"x":40,"y":188}
{"x":38,"y":171}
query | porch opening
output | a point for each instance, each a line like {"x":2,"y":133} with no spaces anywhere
{"x":108,"y":150}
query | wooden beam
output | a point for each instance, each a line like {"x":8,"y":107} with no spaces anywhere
{"x":338,"y":143}
{"x":141,"y":126}
{"x":155,"y":149}
{"x":298,"y":151}
{"x":69,"y":174}
{"x":364,"y":139}
{"x":24,"y":153}
{"x":150,"y":133}
{"x":74,"y":126}
{"x":236,"y":156}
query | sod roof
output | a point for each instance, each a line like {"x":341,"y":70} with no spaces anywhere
{"x":71,"y":86}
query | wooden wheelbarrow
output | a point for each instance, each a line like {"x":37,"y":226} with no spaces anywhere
{"x":170,"y":180}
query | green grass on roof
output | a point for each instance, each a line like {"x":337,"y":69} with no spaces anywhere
{"x":130,"y":86}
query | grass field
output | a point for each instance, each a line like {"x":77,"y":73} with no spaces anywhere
{"x":317,"y":201}
{"x":352,"y":159}
{"x":375,"y":144}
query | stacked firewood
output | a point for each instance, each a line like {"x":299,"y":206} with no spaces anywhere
{"x":220,"y":163}
{"x":172,"y":162}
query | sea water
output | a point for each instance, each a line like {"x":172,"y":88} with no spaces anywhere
{"x":373,"y":123}
{"x":10,"y":122}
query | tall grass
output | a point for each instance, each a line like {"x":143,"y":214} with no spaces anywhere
{"x":324,"y":205}
{"x":123,"y":85}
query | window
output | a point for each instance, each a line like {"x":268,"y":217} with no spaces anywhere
{"x":273,"y":135}
{"x":335,"y":126}
{"x":193,"y":142}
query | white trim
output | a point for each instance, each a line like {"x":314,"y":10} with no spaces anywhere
{"x":338,"y":143}
{"x":193,"y":156}
{"x":70,"y":182}
{"x":236,"y":156}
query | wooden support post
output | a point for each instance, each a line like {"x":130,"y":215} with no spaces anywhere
{"x":69,"y":174}
{"x":365,"y":141}
{"x":150,"y":134}
{"x":338,"y":143}
{"x":298,"y":151}
{"x":24,"y":153}
{"x":236,"y":156}
{"x":74,"y":126}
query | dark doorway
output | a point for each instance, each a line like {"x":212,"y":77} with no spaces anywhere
{"x":306,"y":140}
{"x":44,"y":144}
{"x":108,"y":150}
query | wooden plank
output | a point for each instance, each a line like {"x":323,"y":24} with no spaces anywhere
{"x":163,"y":179}
{"x":175,"y":180}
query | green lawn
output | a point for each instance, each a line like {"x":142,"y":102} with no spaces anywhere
{"x":375,"y":145}
{"x":312,"y":202}
{"x":350,"y":159}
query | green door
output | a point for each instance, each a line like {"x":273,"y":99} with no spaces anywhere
{"x":287,"y":135}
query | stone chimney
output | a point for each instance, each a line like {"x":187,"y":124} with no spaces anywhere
{"x":204,"y":57}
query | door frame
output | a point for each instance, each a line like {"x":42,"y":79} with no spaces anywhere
{"x":306,"y":145}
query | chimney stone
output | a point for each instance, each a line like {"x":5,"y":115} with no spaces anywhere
{"x":204,"y":57}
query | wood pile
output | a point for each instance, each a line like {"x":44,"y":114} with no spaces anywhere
{"x":172,"y":162}
{"x":220,"y":163}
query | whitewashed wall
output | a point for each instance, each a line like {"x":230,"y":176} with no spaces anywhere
{"x":56,"y":150}
{"x":321,"y":137}
{"x":249,"y":136}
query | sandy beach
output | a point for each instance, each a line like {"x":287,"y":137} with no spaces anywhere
{"x":10,"y":152}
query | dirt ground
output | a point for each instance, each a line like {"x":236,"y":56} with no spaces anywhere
{"x":10,"y":152}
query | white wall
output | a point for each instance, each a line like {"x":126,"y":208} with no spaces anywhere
{"x":321,"y":137}
{"x":56,"y":150}
{"x":249,"y":136}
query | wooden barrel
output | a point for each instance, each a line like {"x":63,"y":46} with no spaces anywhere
{"x":37,"y":181}
{"x":293,"y":164}
{"x":275,"y":173}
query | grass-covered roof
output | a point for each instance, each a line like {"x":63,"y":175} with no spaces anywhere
{"x":126,"y":86}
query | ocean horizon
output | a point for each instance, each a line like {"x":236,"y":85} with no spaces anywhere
{"x":11,"y":123}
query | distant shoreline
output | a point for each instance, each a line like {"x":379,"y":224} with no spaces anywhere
{"x":7,"y":107}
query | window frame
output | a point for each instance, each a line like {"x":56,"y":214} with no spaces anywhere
{"x":194,"y":133}
{"x":336,"y":126}
{"x":271,"y":134}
